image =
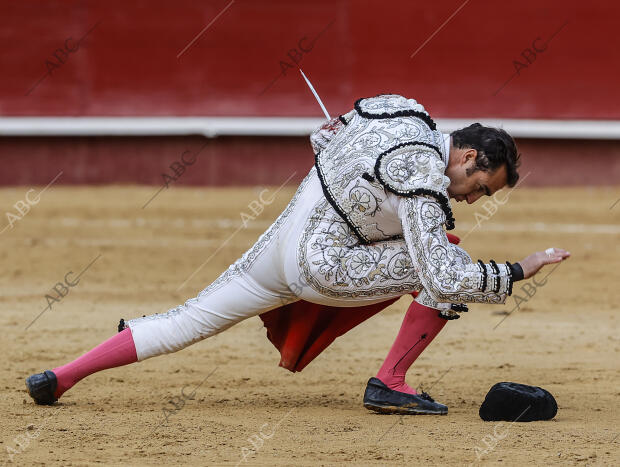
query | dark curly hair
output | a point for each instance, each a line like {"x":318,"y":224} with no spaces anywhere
{"x":495,"y":148}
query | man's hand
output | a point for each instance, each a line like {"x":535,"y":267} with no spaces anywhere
{"x":534,"y":262}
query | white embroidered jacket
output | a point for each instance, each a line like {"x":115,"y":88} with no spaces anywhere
{"x":382,"y":168}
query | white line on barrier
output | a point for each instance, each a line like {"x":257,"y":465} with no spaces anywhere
{"x":212,"y":127}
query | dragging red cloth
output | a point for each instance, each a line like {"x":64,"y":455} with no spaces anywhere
{"x":302,"y":330}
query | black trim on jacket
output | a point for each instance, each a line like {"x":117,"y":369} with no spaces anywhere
{"x":399,"y":113}
{"x":441,"y":199}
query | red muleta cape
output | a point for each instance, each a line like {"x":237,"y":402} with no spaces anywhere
{"x":302,"y":330}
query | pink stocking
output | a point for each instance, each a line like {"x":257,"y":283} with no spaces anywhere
{"x":116,"y":351}
{"x":419,"y":328}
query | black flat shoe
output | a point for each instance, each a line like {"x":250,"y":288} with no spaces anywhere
{"x":380,"y":398}
{"x":42,"y":386}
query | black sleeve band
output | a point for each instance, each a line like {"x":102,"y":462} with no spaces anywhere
{"x":496,"y":278}
{"x":484,"y":275}
{"x":517,"y":271}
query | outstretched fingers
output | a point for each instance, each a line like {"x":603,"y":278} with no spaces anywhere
{"x":554,"y":255}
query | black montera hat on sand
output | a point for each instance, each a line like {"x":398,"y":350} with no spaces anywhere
{"x":516,"y":402}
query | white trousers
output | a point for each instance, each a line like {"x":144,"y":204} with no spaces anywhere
{"x":308,"y":253}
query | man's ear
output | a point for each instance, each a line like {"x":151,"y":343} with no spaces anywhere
{"x":469,"y":156}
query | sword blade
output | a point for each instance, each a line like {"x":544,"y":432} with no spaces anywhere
{"x":316,"y":96}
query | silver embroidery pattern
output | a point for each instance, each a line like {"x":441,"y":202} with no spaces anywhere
{"x":335,"y":264}
{"x":242,"y":264}
{"x":413,"y":166}
{"x":445,"y":270}
{"x":389,"y":103}
{"x":425,"y":299}
{"x":353,"y":151}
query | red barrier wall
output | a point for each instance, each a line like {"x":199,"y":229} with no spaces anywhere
{"x":254,"y":161}
{"x":127,"y":64}
{"x":460,"y":58}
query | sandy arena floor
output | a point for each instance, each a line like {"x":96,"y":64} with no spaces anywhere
{"x":565,"y":338}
